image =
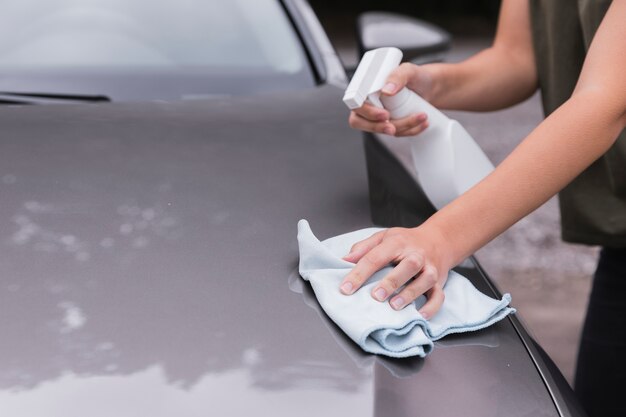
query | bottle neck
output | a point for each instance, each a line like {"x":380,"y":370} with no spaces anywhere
{"x":396,"y":102}
{"x":406,"y":102}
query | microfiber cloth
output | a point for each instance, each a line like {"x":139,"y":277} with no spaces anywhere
{"x":374,"y":325}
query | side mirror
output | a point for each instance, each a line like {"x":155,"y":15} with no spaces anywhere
{"x":421,"y":42}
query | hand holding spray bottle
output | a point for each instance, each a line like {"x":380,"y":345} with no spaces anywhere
{"x":447,"y":160}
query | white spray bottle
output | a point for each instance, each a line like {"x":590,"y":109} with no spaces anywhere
{"x":447,"y":160}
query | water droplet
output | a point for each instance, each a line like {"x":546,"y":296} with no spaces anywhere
{"x":73,"y":318}
{"x":9,"y":179}
{"x":251,"y":357}
{"x":68,"y":240}
{"x":126,"y":229}
{"x":148,"y":214}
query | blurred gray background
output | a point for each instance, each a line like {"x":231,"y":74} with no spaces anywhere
{"x":548,"y":279}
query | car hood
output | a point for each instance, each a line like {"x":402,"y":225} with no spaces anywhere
{"x":149,"y":267}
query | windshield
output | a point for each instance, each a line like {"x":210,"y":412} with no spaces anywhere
{"x":205,"y":39}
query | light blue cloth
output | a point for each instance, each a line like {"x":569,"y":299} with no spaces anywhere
{"x":375,"y":326}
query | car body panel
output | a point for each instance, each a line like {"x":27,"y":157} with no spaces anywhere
{"x":149,"y":267}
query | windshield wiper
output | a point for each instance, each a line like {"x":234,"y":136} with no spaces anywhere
{"x":12,"y":97}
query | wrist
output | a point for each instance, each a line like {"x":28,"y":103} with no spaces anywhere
{"x":437,"y":244}
{"x":437,"y":78}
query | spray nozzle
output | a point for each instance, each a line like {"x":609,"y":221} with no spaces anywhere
{"x":370,"y":77}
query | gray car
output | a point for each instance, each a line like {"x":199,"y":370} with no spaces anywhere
{"x":149,"y":255}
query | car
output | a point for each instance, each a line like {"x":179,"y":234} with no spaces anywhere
{"x":149,"y":261}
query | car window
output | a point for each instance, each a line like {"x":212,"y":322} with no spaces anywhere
{"x":123,"y":33}
{"x":237,"y":46}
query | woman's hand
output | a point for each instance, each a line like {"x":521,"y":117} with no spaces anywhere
{"x":418,"y":253}
{"x":373,"y":119}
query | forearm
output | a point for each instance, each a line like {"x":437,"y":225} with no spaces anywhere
{"x":498,"y":77}
{"x":490,"y":80}
{"x":559,"y":149}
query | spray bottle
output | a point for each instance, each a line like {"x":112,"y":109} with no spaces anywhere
{"x":447,"y":160}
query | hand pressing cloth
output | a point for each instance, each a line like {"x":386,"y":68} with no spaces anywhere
{"x":374,"y":325}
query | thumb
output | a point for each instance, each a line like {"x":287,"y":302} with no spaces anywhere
{"x":399,"y":78}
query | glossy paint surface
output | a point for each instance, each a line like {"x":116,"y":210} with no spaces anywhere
{"x":148,"y":266}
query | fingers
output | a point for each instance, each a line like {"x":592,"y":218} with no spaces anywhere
{"x":408,"y":267}
{"x":361,"y":248}
{"x":371,"y":119}
{"x":372,"y":113}
{"x":410,"y":125}
{"x":435,"y":298}
{"x":407,"y":126}
{"x":416,"y":273}
{"x":426,"y":279}
{"x":374,"y":260}
{"x":356,"y":121}
{"x":414,"y":130}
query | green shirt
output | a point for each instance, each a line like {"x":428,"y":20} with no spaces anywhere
{"x":593,"y":206}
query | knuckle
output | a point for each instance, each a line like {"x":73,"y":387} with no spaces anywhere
{"x":414,"y":261}
{"x":396,"y":282}
{"x":430,"y":279}
{"x":410,"y":293}
{"x":429,"y":276}
{"x":393,"y":283}
{"x":431,"y":270}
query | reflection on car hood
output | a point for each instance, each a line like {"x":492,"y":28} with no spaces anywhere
{"x":149,"y":267}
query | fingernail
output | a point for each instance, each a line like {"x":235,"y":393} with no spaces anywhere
{"x":389,"y":88}
{"x":397,"y":303}
{"x":380,"y":294}
{"x":346,"y":288}
{"x":421,"y":117}
{"x":424,"y":314}
{"x":388,"y":131}
{"x":383,"y":117}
